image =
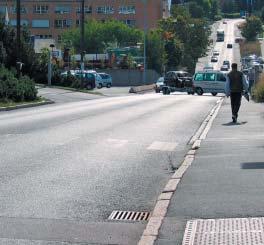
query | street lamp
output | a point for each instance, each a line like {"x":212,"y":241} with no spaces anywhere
{"x":18,"y":9}
{"x":49,"y":64}
{"x":145,"y":48}
{"x":82,"y":36}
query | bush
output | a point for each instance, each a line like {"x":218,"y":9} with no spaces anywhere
{"x":217,"y":17}
{"x":231,"y":15}
{"x":13,"y":89}
{"x":258,"y":90}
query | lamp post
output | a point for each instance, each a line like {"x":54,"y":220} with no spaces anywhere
{"x":18,"y":27}
{"x":82,"y":36}
{"x":49,"y":64}
{"x":144,"y":40}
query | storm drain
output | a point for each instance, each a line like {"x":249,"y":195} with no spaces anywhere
{"x":238,"y":231}
{"x":129,"y":216}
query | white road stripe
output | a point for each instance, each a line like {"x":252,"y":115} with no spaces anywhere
{"x":117,"y":143}
{"x":162,"y":146}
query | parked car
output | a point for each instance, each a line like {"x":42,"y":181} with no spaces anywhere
{"x":216,"y":53}
{"x":224,"y":22}
{"x":214,"y":59}
{"x":89,"y":79}
{"x":227,"y":62}
{"x":180,"y":81}
{"x":208,"y":66}
{"x":159,"y":84}
{"x":106,"y":80}
{"x":209,"y":82}
{"x":229,"y":45}
{"x":224,"y":68}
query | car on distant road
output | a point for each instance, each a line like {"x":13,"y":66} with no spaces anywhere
{"x":214,"y":59}
{"x":159,"y":84}
{"x":229,"y":45}
{"x":106,"y":80}
{"x":226,"y":62}
{"x":216,"y":53}
{"x":224,"y":68}
{"x":224,"y":22}
{"x":209,"y":82}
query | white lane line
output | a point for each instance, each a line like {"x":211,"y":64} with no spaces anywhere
{"x":162,"y":146}
{"x":117,"y":143}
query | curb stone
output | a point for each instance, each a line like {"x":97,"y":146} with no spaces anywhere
{"x":22,"y":106}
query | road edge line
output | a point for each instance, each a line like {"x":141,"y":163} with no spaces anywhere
{"x":151,"y":232}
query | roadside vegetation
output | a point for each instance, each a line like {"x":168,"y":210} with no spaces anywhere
{"x":258,"y":90}
{"x":251,"y":47}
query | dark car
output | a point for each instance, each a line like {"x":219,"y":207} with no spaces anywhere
{"x":229,"y":45}
{"x":89,"y":79}
{"x":178,"y":79}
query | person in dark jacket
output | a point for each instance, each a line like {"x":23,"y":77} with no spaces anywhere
{"x":236,"y":84}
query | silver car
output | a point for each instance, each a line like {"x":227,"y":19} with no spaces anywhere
{"x":106,"y":80}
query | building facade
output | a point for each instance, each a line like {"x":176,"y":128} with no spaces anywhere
{"x":49,"y":18}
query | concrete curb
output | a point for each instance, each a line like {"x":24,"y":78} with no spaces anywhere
{"x":22,"y":106}
{"x":140,"y":89}
{"x":151,"y":231}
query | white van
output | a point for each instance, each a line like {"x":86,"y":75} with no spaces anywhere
{"x":209,"y":82}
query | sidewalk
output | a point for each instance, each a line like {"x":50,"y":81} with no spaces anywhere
{"x":226,"y":179}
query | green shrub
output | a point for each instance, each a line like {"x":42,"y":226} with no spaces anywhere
{"x":217,"y":17}
{"x":231,"y":15}
{"x":258,"y":90}
{"x":12,"y":89}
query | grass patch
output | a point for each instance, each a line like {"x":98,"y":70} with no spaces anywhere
{"x":78,"y":90}
{"x":247,"y":48}
{"x":10,"y":103}
{"x":258,"y":90}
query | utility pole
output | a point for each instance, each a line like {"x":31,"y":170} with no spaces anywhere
{"x":145,"y":43}
{"x":82,"y":36}
{"x":18,"y":62}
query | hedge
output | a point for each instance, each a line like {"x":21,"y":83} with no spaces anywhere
{"x":17,"y":90}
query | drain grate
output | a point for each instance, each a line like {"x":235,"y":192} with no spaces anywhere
{"x":129,"y":216}
{"x":238,"y":231}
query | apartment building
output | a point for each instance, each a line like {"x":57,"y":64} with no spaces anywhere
{"x":49,"y":18}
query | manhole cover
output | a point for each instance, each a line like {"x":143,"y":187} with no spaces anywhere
{"x":129,"y":215}
{"x":238,"y":231}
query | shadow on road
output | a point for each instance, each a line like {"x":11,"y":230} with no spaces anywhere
{"x":252,"y":165}
{"x":234,"y":124}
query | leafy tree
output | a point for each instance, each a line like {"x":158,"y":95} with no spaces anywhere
{"x":196,"y":11}
{"x":156,"y":57}
{"x":99,"y":36}
{"x":252,"y":28}
{"x":214,"y":9}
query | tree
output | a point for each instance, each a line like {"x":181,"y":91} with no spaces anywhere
{"x":156,"y":56}
{"x":195,"y":10}
{"x":214,"y":9}
{"x":99,"y":36}
{"x":252,"y":28}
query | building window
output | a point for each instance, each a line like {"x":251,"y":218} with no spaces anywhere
{"x":78,"y":22}
{"x":130,"y":23}
{"x":127,"y":10}
{"x":59,"y":39}
{"x":41,"y":9}
{"x":105,"y":10}
{"x":23,"y":22}
{"x":40,"y":24}
{"x":62,"y":9}
{"x":62,"y":23}
{"x":43,"y":36}
{"x":87,"y":10}
{"x":23,"y":10}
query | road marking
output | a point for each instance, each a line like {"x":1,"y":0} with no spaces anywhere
{"x":117,"y":143}
{"x":162,"y":146}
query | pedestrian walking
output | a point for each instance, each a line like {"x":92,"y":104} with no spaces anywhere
{"x":236,"y":84}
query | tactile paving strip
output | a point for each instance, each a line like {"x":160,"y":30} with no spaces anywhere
{"x":237,"y":231}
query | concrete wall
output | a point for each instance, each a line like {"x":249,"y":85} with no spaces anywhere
{"x":125,"y":77}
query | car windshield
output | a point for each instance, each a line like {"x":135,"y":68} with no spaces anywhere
{"x":104,"y":76}
{"x":183,"y":74}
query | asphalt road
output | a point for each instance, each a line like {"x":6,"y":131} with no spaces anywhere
{"x":59,"y":95}
{"x":65,"y":167}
